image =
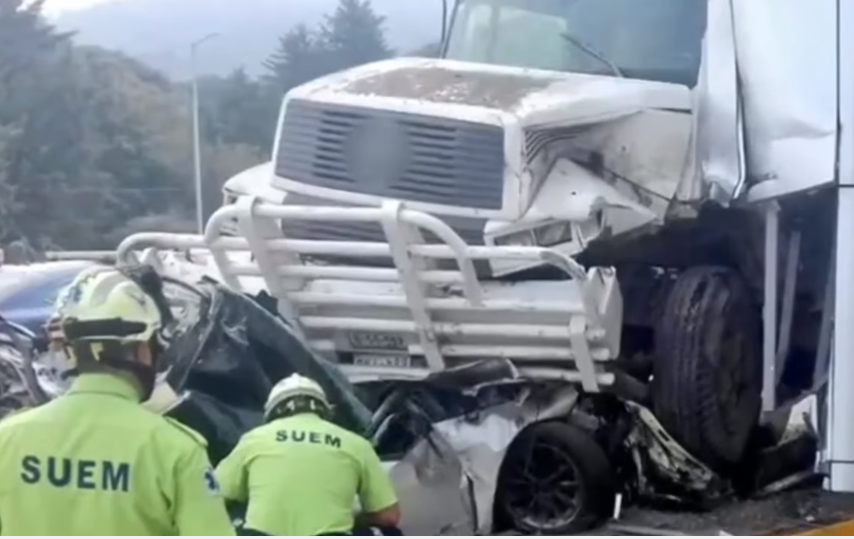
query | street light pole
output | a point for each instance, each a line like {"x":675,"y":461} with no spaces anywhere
{"x":197,"y":150}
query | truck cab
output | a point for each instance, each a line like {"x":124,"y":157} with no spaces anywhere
{"x":551,"y":140}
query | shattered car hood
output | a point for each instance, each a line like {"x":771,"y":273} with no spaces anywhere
{"x":483,"y":92}
{"x":231,"y":356}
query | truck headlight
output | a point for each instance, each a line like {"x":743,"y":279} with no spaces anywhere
{"x":553,"y":234}
{"x":541,"y":236}
{"x":524,"y":238}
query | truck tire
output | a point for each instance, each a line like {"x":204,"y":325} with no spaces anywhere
{"x":707,"y":370}
{"x":547,"y":447}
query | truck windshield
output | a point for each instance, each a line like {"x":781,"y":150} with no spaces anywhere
{"x":644,"y":39}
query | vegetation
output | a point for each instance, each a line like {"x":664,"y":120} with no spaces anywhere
{"x":248,"y":29}
{"x":95,"y":144}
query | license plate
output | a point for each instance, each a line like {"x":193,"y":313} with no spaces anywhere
{"x":380,"y":361}
{"x":370,"y":340}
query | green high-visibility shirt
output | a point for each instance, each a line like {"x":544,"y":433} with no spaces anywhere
{"x":95,"y":462}
{"x":300,"y":476}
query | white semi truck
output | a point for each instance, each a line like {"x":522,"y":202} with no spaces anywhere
{"x":642,"y":199}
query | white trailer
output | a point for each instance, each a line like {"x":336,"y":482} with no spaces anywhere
{"x":439,"y":212}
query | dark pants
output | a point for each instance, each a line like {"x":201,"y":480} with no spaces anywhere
{"x":356,"y":531}
{"x":371,"y":531}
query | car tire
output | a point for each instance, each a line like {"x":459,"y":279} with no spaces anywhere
{"x":707,"y":370}
{"x":591,"y":471}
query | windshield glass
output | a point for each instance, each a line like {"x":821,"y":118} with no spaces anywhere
{"x":645,"y":39}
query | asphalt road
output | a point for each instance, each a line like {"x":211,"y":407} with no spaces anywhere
{"x":784,"y":513}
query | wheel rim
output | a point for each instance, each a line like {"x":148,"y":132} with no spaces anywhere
{"x":543,"y":488}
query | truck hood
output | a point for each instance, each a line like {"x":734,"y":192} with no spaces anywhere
{"x":254,"y":181}
{"x":460,"y":89}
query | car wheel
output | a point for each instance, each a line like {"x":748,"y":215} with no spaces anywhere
{"x":707,"y":371}
{"x":555,"y":480}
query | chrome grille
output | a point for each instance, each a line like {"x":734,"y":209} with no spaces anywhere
{"x":471,"y":230}
{"x":392,"y":154}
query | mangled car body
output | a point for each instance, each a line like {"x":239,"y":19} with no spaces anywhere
{"x":19,"y":379}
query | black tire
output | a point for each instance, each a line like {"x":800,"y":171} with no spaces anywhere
{"x":707,"y":372}
{"x":591,"y":471}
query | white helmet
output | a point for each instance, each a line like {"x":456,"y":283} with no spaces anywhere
{"x":101,"y":317}
{"x":292,"y":387}
{"x":106,"y":305}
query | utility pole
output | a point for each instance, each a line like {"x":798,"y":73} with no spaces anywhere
{"x":197,"y":150}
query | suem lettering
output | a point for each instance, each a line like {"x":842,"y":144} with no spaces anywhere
{"x":301,"y":436}
{"x":63,"y":472}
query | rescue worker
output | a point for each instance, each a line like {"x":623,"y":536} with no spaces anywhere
{"x":94,"y":461}
{"x":300,"y":473}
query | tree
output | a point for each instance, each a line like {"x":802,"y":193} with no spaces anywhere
{"x":350,"y":36}
{"x":94,"y":144}
{"x":31,"y":107}
{"x":26,"y":44}
{"x":8,"y":199}
{"x":354,"y":35}
{"x":91,"y":138}
{"x":239,"y":110}
{"x":299,"y":58}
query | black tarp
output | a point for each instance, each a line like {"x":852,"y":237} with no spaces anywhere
{"x":229,"y":358}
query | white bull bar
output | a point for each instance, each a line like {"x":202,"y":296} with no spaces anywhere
{"x":564,"y":329}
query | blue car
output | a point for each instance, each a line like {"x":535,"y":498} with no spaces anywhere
{"x":27,"y":292}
